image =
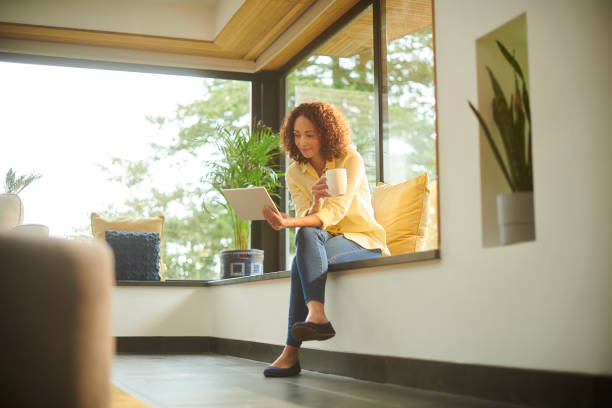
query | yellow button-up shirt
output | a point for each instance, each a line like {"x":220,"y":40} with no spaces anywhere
{"x":351,"y":214}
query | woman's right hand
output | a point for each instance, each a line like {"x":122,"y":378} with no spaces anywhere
{"x":320,"y":191}
{"x":277,"y":220}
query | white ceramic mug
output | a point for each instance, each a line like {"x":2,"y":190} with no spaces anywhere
{"x":336,"y":182}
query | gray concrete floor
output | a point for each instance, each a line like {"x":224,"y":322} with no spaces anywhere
{"x":211,"y":380}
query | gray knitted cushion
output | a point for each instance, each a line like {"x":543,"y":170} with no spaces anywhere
{"x":136,"y":254}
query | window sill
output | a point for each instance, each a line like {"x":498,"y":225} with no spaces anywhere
{"x":345,"y":266}
{"x":169,"y":282}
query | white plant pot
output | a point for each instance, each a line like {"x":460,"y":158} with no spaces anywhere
{"x":515,"y":217}
{"x":11,"y":212}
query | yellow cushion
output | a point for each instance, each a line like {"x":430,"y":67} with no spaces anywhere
{"x":402,"y":210}
{"x":100,"y":224}
{"x":431,"y":236}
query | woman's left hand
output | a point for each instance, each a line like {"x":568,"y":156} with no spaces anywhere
{"x":277,"y":220}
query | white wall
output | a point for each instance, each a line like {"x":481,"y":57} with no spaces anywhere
{"x":161,"y":311}
{"x":545,"y":304}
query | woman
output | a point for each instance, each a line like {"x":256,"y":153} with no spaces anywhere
{"x":332,"y":229}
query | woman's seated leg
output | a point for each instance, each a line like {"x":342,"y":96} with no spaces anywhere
{"x":297,"y":313}
{"x":297,"y":306}
{"x":340,"y":249}
{"x":311,"y":260}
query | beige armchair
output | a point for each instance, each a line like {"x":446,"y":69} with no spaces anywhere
{"x":56,"y":342}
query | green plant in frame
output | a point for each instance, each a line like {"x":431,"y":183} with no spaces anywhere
{"x":513,"y":120}
{"x":15,"y":185}
{"x":249,"y":159}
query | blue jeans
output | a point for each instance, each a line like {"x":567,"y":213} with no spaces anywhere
{"x":316,"y":249}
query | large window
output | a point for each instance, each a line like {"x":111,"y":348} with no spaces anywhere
{"x":341,"y":71}
{"x":121,"y":143}
{"x":409,"y":137}
{"x":410,"y":142}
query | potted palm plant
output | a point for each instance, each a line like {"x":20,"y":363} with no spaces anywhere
{"x":513,"y":120}
{"x":11,"y":206}
{"x":248,"y":159}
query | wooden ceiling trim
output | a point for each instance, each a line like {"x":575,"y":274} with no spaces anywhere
{"x":123,"y":55}
{"x":336,"y":10}
{"x":352,"y":40}
{"x":314,"y":12}
{"x":257,"y":23}
{"x":108,"y":39}
{"x":284,"y":23}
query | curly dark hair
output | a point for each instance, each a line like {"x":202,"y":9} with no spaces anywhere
{"x":329,"y":121}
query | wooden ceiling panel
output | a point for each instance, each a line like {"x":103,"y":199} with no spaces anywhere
{"x":403,"y":17}
{"x":257,"y":24}
{"x":407,"y":16}
{"x":354,"y":39}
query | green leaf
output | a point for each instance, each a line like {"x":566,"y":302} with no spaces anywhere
{"x":485,"y":128}
{"x":519,"y":141}
{"x":502,"y":115}
{"x":515,"y":65}
{"x":526,"y":103}
{"x":497,"y":90}
{"x":519,"y":135}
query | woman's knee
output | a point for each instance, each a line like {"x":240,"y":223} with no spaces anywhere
{"x":306,"y":234}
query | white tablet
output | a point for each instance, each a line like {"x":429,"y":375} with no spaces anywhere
{"x":248,"y":202}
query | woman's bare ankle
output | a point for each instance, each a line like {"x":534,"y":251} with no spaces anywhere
{"x":316,"y":312}
{"x":287,"y":358}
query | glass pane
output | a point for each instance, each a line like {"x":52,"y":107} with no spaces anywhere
{"x":341,"y":72}
{"x":121,"y":143}
{"x":409,"y":142}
